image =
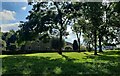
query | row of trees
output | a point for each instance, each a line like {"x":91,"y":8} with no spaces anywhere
{"x":9,"y":40}
{"x":96,"y":21}
{"x":102,"y":23}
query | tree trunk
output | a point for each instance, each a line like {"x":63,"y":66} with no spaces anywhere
{"x":89,"y":49}
{"x":61,"y":30}
{"x":95,"y":41}
{"x":60,"y":48}
{"x":100,"y":45}
{"x":79,"y":44}
{"x":78,"y":39}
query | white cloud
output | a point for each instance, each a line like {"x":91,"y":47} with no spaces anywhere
{"x":8,"y":27}
{"x":71,"y":37}
{"x":7,"y":15}
{"x":24,"y":8}
{"x":69,"y":29}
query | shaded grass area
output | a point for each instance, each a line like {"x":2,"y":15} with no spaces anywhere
{"x":53,"y":64}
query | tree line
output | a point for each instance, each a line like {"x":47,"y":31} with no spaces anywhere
{"x":97,"y":22}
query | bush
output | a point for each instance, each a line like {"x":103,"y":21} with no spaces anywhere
{"x":12,"y":47}
{"x":68,"y":48}
{"x":117,"y":48}
{"x":22,"y":47}
{"x":55,"y":43}
{"x":82,"y":48}
{"x":75,"y":45}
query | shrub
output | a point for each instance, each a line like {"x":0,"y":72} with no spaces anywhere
{"x":68,"y":48}
{"x":12,"y":47}
{"x":83,"y":48}
{"x":22,"y":47}
{"x":75,"y":45}
{"x":117,"y":48}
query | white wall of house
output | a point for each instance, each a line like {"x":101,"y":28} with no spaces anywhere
{"x":37,"y":46}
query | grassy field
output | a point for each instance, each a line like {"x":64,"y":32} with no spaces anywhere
{"x":73,"y":63}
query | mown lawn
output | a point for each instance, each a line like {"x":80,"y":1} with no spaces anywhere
{"x":53,"y":64}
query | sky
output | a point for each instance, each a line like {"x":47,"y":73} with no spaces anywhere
{"x":11,"y":13}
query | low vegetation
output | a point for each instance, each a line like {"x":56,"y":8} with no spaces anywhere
{"x":72,"y":63}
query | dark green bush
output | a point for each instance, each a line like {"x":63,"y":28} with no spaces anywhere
{"x":75,"y":45}
{"x":12,"y":47}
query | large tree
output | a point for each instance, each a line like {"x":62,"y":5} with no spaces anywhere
{"x":10,"y":40}
{"x":93,"y":12}
{"x":112,"y":23}
{"x":44,"y":19}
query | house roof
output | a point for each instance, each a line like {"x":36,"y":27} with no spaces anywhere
{"x":68,"y":43}
{"x":108,"y":44}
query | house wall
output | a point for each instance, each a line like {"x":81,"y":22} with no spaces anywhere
{"x":109,"y":47}
{"x":37,"y":46}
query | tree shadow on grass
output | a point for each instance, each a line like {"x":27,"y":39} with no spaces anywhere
{"x":40,"y":65}
{"x":112,"y":52}
{"x":68,"y":58}
{"x":111,"y":56}
{"x":45,"y":66}
{"x":109,"y":61}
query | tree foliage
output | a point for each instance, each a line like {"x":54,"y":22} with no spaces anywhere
{"x":55,"y":43}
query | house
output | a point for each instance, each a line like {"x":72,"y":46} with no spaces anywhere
{"x":109,"y":46}
{"x":36,"y":45}
{"x":39,"y":45}
{"x":69,"y":44}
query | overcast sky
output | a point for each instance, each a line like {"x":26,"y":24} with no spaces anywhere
{"x":12,"y":13}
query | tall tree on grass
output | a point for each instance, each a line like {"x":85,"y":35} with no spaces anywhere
{"x":64,"y":15}
{"x":88,"y":37}
{"x":79,"y":28}
{"x":93,"y":12}
{"x":112,"y":22}
{"x":113,"y":18}
{"x":10,"y":39}
{"x":44,"y":18}
{"x":77,"y":20}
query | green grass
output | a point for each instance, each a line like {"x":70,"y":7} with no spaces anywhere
{"x":73,"y":63}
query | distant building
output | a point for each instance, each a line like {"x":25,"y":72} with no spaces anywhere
{"x":110,"y":46}
{"x":69,"y":44}
{"x":39,"y":45}
{"x":36,"y":45}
